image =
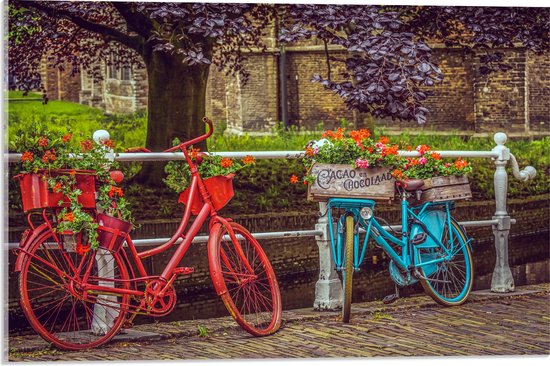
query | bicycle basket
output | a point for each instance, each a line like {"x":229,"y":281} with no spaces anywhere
{"x":35,"y":193}
{"x":112,"y":232}
{"x":220,"y":189}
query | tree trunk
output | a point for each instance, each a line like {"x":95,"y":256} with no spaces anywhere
{"x":176,"y":106}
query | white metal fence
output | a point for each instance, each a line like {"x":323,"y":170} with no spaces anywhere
{"x":328,"y":289}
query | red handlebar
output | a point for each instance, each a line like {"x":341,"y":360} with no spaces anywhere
{"x":196,"y":139}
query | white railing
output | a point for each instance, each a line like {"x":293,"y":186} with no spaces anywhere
{"x":328,"y":289}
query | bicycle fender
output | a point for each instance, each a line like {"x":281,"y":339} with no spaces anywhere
{"x":28,"y":238}
{"x":211,"y":248}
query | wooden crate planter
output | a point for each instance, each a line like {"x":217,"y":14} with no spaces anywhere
{"x":452,"y":188}
{"x":333,"y":180}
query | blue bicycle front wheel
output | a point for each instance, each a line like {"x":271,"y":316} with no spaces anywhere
{"x":450,"y":282}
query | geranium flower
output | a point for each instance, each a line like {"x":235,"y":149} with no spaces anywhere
{"x":460,"y":164}
{"x":115,"y":191}
{"x":87,"y":145}
{"x":57,"y":187}
{"x":67,"y":138}
{"x":68,"y":217}
{"x":384,"y":139}
{"x":48,"y":156}
{"x":339,"y":134}
{"x":82,"y":249}
{"x":27,"y":156}
{"x":249,"y":159}
{"x":43,"y":142}
{"x":109,"y":143}
{"x":362,"y":163}
{"x":423,"y":160}
{"x":309,"y":151}
{"x":294,"y":179}
{"x":422,"y":149}
{"x":436,"y":156}
{"x":194,"y":153}
{"x":397,"y":173}
{"x":226,"y":162}
{"x":359,"y":135}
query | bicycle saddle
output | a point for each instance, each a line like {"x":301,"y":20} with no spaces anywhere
{"x":411,"y":185}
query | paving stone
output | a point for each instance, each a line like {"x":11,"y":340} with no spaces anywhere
{"x":511,"y":324}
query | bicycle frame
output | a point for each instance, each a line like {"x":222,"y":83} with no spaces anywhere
{"x":408,"y":260}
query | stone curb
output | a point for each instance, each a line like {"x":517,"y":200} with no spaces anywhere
{"x":189,"y":328}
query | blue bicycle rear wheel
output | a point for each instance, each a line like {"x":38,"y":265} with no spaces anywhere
{"x":449,"y":282}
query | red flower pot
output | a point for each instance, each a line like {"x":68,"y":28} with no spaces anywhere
{"x":220,"y":189}
{"x":36,"y":194}
{"x":112,"y":232}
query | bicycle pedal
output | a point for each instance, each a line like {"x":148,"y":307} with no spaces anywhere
{"x":184,"y":270}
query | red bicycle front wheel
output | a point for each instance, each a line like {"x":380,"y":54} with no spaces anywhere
{"x":50,"y":284}
{"x":245,"y":280}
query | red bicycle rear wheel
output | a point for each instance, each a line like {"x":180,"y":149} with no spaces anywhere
{"x":245,"y":280}
{"x":50,"y":284}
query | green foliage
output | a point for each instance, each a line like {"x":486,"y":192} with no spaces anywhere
{"x":203,"y":332}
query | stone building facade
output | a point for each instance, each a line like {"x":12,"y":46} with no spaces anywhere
{"x":465,"y":102}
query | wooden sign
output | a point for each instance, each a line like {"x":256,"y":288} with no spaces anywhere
{"x":450,"y":188}
{"x":332,"y":180}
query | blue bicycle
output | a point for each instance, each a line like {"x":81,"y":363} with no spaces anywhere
{"x":431,"y":248}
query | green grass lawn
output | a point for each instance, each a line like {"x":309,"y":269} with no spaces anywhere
{"x":79,"y":119}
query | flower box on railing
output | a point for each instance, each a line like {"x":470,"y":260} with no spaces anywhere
{"x":451,"y":188}
{"x":334,"y":180}
{"x":36,"y":194}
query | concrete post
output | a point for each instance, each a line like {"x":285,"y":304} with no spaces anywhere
{"x":502,"y":280}
{"x":106,"y":309}
{"x":328,"y":289}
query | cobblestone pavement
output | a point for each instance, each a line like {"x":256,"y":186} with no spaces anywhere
{"x":488,"y":324}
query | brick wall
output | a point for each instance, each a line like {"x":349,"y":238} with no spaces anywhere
{"x":538,"y":92}
{"x":513,"y":101}
{"x":501,"y":98}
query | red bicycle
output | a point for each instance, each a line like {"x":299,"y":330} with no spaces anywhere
{"x":81,"y":300}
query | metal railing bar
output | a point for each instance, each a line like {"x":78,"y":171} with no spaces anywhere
{"x":285,"y":234}
{"x":292,"y":154}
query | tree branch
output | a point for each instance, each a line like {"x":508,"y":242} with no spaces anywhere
{"x":134,"y":43}
{"x":136,"y":21}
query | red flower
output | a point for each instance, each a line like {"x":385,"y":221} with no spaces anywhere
{"x":294,"y":179}
{"x":67,"y":137}
{"x":309,"y":151}
{"x":27,"y":156}
{"x":194,"y":153}
{"x":87,"y":145}
{"x":226,"y":162}
{"x":57,"y":187}
{"x":459,"y":164}
{"x":397,"y":173}
{"x":359,"y":135}
{"x":339,"y":134}
{"x":436,"y":156}
{"x":327,"y":133}
{"x":249,"y":159}
{"x":115,"y":191}
{"x":82,"y":249}
{"x":384,"y":139}
{"x":109,"y":143}
{"x":48,"y":156}
{"x":423,"y":149}
{"x":68,"y":217}
{"x":43,"y":142}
